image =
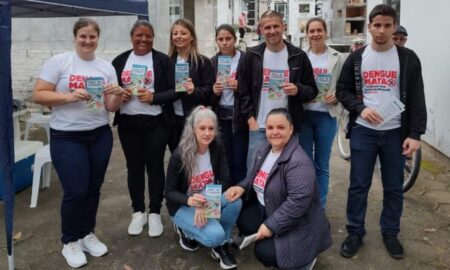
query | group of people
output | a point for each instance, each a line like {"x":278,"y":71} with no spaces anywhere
{"x":264,"y":135}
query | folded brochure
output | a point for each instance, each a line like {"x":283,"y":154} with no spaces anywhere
{"x":213,"y":195}
{"x":248,"y":240}
{"x":94,"y":87}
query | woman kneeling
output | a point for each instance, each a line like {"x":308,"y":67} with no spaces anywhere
{"x":200,"y":161}
{"x":282,"y":204}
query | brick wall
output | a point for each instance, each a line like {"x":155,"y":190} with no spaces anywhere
{"x":34,"y":40}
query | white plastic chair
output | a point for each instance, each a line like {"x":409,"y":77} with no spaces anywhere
{"x":40,"y":120}
{"x":41,"y":163}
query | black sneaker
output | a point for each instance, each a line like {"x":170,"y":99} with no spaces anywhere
{"x":393,"y":246}
{"x":351,"y":245}
{"x":185,"y":242}
{"x":224,"y":254}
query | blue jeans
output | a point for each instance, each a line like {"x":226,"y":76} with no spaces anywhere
{"x":316,"y":138}
{"x":216,"y":232}
{"x":366,"y":144}
{"x":80,"y":159}
{"x":255,"y":138}
{"x":236,"y":145}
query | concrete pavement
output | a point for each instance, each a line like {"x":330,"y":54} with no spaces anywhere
{"x":425,"y":226}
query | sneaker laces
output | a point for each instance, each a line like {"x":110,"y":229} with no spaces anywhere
{"x":74,"y":247}
{"x":92,"y":239}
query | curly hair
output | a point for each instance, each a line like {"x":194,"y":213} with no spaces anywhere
{"x":188,"y":146}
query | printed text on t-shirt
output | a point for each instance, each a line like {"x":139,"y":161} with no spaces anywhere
{"x":198,"y":182}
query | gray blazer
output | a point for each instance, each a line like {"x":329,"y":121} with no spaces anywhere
{"x":295,"y":215}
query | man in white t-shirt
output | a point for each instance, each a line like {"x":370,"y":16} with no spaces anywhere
{"x":275,"y":74}
{"x":372,"y":79}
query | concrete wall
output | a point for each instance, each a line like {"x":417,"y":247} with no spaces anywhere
{"x":428,"y":37}
{"x":204,"y":26}
{"x":36,"y":40}
{"x":421,"y":19}
{"x":158,"y":12}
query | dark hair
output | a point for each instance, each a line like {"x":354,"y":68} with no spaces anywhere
{"x":226,"y":27}
{"x":281,"y":111}
{"x":316,"y":19}
{"x":83,"y":22}
{"x":271,"y":13}
{"x":143,"y":23}
{"x":383,"y":10}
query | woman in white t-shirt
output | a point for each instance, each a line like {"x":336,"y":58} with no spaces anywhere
{"x":147,"y":76}
{"x":197,"y":165}
{"x":81,"y":89}
{"x":282,"y":206}
{"x":319,"y":123}
{"x":225,"y":101}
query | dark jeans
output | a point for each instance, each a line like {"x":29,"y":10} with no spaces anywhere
{"x":236,"y":146}
{"x":175,"y":131}
{"x":366,"y":144}
{"x":241,"y":32}
{"x":80,"y":159}
{"x":251,"y":217}
{"x":144,"y":139}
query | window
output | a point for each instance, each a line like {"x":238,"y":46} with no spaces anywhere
{"x":174,"y":10}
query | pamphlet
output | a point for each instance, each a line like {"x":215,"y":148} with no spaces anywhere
{"x":137,"y":78}
{"x":248,"y":240}
{"x":276,"y":79}
{"x":223,"y":69}
{"x":213,"y":195}
{"x":323,"y":82}
{"x":181,"y":76}
{"x":94,"y":86}
{"x":390,"y":109}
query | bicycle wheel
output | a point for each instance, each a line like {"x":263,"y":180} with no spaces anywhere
{"x":411,"y":171}
{"x":343,"y":143}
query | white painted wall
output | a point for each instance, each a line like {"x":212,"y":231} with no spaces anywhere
{"x":428,"y":36}
{"x":223,"y":12}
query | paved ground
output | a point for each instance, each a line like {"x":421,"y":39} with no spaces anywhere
{"x":425,"y":226}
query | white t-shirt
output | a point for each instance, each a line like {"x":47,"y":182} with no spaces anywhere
{"x":202,"y":175}
{"x":320,"y":67}
{"x":134,"y":106}
{"x":275,"y":70}
{"x":380,"y":81}
{"x":227,"y":98}
{"x":68,"y":72}
{"x":259,"y":183}
{"x":177,"y":105}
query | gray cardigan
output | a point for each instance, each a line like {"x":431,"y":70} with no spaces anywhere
{"x":295,"y":215}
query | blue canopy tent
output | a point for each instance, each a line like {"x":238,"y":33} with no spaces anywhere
{"x":35,"y":9}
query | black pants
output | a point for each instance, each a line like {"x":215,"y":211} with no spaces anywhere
{"x":241,"y":32}
{"x":249,"y":220}
{"x":144,"y":139}
{"x":175,"y":131}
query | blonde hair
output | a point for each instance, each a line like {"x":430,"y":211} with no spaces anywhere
{"x":194,"y":55}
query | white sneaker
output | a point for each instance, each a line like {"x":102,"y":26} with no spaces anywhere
{"x":93,"y":246}
{"x":155,"y":227}
{"x":74,"y":255}
{"x":138,"y":221}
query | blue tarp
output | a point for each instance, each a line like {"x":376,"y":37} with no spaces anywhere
{"x":6,"y":126}
{"x":76,"y":8}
